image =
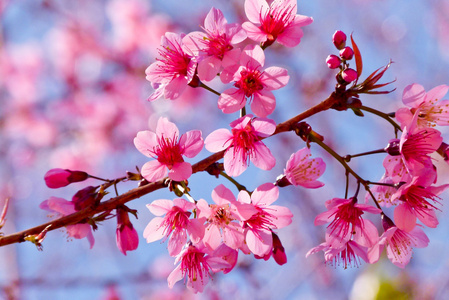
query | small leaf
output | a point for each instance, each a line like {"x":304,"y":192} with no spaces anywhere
{"x":357,"y":57}
{"x":357,"y":112}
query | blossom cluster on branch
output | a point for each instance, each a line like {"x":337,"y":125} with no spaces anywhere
{"x":207,"y":237}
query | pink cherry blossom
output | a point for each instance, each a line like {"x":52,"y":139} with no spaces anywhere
{"x":414,"y":204}
{"x":174,"y":70}
{"x":126,"y":236}
{"x":383,"y":193}
{"x":214,"y":48}
{"x":258,"y":224}
{"x":348,"y":255}
{"x":276,"y":22}
{"x":243,"y":144}
{"x":251,"y":82}
{"x":63,"y":208}
{"x":176,"y":224}
{"x":164,"y":146}
{"x":399,"y":244}
{"x":430,"y":111}
{"x":222,"y":221}
{"x":345,"y":217}
{"x":57,"y":178}
{"x":196,"y":263}
{"x":302,"y":170}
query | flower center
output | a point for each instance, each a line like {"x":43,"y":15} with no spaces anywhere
{"x":250,"y":82}
{"x":175,"y":220}
{"x":218,"y":45}
{"x":194,"y":265}
{"x":174,"y":62}
{"x":168,"y":151}
{"x":276,"y":20}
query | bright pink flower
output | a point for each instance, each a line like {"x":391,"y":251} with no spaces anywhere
{"x":243,"y":144}
{"x":302,"y":170}
{"x":399,"y":244}
{"x":264,"y":217}
{"x":176,"y":224}
{"x":196,"y":264}
{"x":413,"y":203}
{"x":63,"y":208}
{"x":168,"y":151}
{"x":57,"y":178}
{"x":126,"y":236}
{"x":214,"y":48}
{"x":173,"y":71}
{"x":425,"y":105}
{"x":254,"y":83}
{"x":347,"y":255}
{"x":222,"y":221}
{"x":346,"y":220}
{"x":276,"y":22}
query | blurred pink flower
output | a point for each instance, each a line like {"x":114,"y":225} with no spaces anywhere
{"x":196,"y":264}
{"x":275,"y":22}
{"x":214,"y":48}
{"x":173,"y":71}
{"x":302,"y":170}
{"x":259,"y":224}
{"x":243,"y":144}
{"x":168,"y":151}
{"x":253,"y":83}
{"x":63,"y":207}
{"x":126,"y":236}
{"x":175,"y":225}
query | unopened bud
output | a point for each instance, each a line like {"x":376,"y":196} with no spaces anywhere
{"x":393,"y":147}
{"x":86,"y":197}
{"x":278,"y":250}
{"x":346,"y":53}
{"x":339,"y":39}
{"x":333,"y":61}
{"x":349,"y":75}
{"x":57,"y":178}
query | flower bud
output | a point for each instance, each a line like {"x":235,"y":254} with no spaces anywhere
{"x":393,"y":147}
{"x":346,"y":53}
{"x":126,"y":236}
{"x":339,"y":39}
{"x":333,"y":61}
{"x":278,"y":250}
{"x":349,"y":75}
{"x":85,"y":197}
{"x":57,"y":178}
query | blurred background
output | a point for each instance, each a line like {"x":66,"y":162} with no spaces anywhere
{"x":73,"y":95}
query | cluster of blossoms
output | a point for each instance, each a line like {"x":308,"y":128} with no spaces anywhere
{"x":346,"y":74}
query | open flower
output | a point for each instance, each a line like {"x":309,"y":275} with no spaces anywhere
{"x":303,"y":170}
{"x":276,"y":22}
{"x":243,"y":144}
{"x":63,"y":208}
{"x":251,"y":82}
{"x":173,"y":71}
{"x":168,"y":150}
{"x":214,"y":47}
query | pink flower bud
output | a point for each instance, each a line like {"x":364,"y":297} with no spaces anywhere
{"x":339,"y":39}
{"x":346,"y":53}
{"x":278,"y":251}
{"x":393,"y":147}
{"x":57,"y":178}
{"x":126,"y":236}
{"x":85,"y":197}
{"x":333,"y":61}
{"x":349,"y":75}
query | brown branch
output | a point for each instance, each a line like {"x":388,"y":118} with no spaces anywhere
{"x":82,"y":215}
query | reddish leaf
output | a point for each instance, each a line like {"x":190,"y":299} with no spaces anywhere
{"x":357,"y":57}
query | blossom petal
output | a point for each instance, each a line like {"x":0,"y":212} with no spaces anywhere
{"x":218,"y":140}
{"x":145,"y":141}
{"x":263,"y":103}
{"x":153,"y":171}
{"x":262,"y":157}
{"x":153,"y":231}
{"x":275,"y":78}
{"x":192,"y":143}
{"x":231,"y":100}
{"x":180,"y":171}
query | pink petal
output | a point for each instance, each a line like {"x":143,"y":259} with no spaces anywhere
{"x":419,"y":238}
{"x":180,"y":171}
{"x":145,"y":141}
{"x":265,"y":194}
{"x":262,"y":157}
{"x":222,"y":195}
{"x":192,"y":143}
{"x":436,"y":93}
{"x":175,"y":87}
{"x":404,"y":116}
{"x":236,"y":33}
{"x":176,"y":242}
{"x":291,"y":36}
{"x":160,"y":207}
{"x":234,"y":162}
{"x":264,"y":127}
{"x":166,"y":129}
{"x":208,"y":68}
{"x":196,"y":230}
{"x":263,"y":103}
{"x":259,"y":243}
{"x":215,"y":21}
{"x":256,"y":8}
{"x":218,"y":140}
{"x":204,"y":210}
{"x":193,"y":41}
{"x":254,"y":32}
{"x":233,"y":236}
{"x":153,"y":231}
{"x":275,"y":77}
{"x":252,"y":57}
{"x":175,"y":276}
{"x":212,"y":237}
{"x":183,"y":204}
{"x":404,"y":218}
{"x":231,"y":100}
{"x":283,"y":215}
{"x":153,"y":171}
{"x":413,"y":95}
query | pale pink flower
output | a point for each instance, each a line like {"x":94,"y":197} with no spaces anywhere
{"x":175,"y":225}
{"x":399,"y":243}
{"x":345,"y":217}
{"x":276,"y":22}
{"x":348,"y":255}
{"x":243,"y":144}
{"x":413,"y":198}
{"x":258,"y":224}
{"x":57,"y":178}
{"x":302,"y":170}
{"x":214,"y":48}
{"x":222,"y":221}
{"x":126,"y":236}
{"x":383,"y":193}
{"x":430,"y":111}
{"x":196,"y":264}
{"x":174,"y":70}
{"x":168,"y":151}
{"x":253,"y":83}
{"x":63,"y":208}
